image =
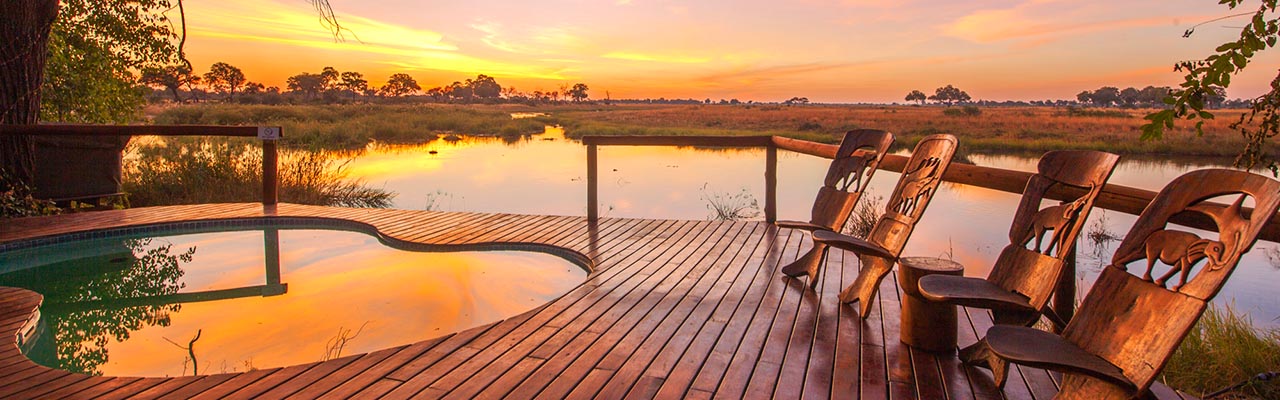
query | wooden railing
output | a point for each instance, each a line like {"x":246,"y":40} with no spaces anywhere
{"x":268,"y":134}
{"x":1113,"y":197}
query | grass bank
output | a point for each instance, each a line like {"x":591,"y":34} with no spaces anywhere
{"x":354,"y":126}
{"x":991,"y":129}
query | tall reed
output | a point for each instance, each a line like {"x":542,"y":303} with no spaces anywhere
{"x":1225,"y":348}
{"x":203,"y":171}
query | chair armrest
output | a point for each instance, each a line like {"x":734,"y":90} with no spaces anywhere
{"x":850,"y":243}
{"x":806,"y":226}
{"x":972,"y":292}
{"x":1040,"y":349}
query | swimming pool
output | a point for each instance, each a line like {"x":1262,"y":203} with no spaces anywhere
{"x":184,"y":303}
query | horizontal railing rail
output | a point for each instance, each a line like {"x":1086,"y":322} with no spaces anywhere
{"x":268,"y":134}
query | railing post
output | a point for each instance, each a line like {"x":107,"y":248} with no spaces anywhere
{"x":592,"y":185}
{"x":771,"y":183}
{"x":270,"y":160}
{"x":270,"y":175}
{"x":1064,"y":297}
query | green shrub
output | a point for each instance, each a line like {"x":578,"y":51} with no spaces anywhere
{"x":16,"y":200}
{"x":966,"y":111}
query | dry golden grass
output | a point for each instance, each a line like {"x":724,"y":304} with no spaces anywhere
{"x":995,"y":129}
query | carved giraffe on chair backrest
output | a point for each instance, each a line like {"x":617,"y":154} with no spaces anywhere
{"x":918,"y":187}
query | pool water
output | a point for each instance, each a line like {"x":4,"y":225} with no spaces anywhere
{"x":235,"y":301}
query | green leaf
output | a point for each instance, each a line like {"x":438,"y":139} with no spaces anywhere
{"x":1227,"y":47}
{"x":1152,"y":131}
{"x":1205,"y":115}
{"x":1200,"y":128}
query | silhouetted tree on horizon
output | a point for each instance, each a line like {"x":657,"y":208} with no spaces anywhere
{"x":950,"y":95}
{"x":578,"y":92}
{"x":400,"y":85}
{"x":224,"y":78}
{"x":916,"y":95}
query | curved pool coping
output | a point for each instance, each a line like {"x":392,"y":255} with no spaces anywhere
{"x":325,"y":223}
{"x":20,"y":307}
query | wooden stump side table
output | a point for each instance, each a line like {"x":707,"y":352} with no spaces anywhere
{"x":926,"y":325}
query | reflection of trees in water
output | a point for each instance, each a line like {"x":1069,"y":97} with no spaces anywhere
{"x":82,"y":335}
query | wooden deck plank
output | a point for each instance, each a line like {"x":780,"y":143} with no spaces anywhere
{"x":171,"y":385}
{"x":490,"y":351}
{"x":373,"y":374}
{"x":902,"y":384}
{"x":672,"y":309}
{"x":561,"y":377}
{"x":846,"y":382}
{"x":557,"y":310}
{"x":739,"y":372}
{"x":664,"y":347}
{"x":819,"y":372}
{"x":678,"y":374}
{"x":764,"y":379}
{"x":304,"y":388}
{"x":630,"y":356}
{"x":874,"y":381}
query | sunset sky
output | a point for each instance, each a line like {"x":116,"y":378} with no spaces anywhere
{"x":826,"y":50}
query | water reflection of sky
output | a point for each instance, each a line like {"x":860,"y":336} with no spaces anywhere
{"x":337,"y":282}
{"x":545,"y":174}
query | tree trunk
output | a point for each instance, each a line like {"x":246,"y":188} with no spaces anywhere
{"x":24,"y":42}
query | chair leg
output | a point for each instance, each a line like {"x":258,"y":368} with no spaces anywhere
{"x":809,"y":264}
{"x":980,"y":355}
{"x":864,"y":288}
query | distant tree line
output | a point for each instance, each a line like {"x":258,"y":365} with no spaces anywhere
{"x":1106,"y":96}
{"x":227,"y":83}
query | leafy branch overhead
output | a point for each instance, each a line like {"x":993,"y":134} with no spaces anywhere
{"x":1205,"y":78}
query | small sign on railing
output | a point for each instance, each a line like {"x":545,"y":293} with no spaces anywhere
{"x":269,"y":132}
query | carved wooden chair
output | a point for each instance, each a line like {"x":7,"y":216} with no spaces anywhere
{"x":856,"y":161}
{"x":1128,"y":326}
{"x":1028,"y":270}
{"x":879,"y":251}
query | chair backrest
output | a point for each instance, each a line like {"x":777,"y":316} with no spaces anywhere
{"x":1031,"y":265}
{"x":1136,"y":322}
{"x":856,"y":160}
{"x":919,"y":182}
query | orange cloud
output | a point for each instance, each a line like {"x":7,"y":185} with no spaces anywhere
{"x":1029,"y":21}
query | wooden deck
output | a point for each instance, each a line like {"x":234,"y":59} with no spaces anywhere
{"x":673,"y":309}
